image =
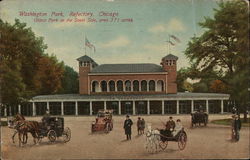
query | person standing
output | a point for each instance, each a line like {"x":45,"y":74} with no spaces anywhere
{"x":143,"y":125}
{"x":236,"y":127}
{"x":139,"y":125}
{"x":127,"y":127}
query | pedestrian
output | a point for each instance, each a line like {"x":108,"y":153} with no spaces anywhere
{"x":127,"y":127}
{"x":237,"y":127}
{"x":143,"y":125}
{"x":139,"y":125}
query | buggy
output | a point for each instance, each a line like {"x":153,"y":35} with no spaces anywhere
{"x":159,"y":138}
{"x":53,"y":127}
{"x":198,"y":118}
{"x":180,"y":137}
{"x":103,"y":122}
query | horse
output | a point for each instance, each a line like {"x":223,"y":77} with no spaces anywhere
{"x":20,"y":129}
{"x":23,"y":127}
{"x":152,"y":139}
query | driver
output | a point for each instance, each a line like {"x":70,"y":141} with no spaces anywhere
{"x":170,"y":125}
{"x":45,"y":118}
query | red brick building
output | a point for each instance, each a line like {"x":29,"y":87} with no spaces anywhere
{"x":144,"y":78}
{"x":137,"y":89}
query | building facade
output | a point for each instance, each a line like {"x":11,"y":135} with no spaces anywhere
{"x":136,"y":89}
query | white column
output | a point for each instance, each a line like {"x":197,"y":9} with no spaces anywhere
{"x":10,"y":111}
{"x":147,"y":86}
{"x":62,"y":109}
{"x":192,"y":106}
{"x":177,"y":107}
{"x":34,"y":108}
{"x":133,"y":107}
{"x":139,"y":86}
{"x":108,"y":87}
{"x":119,"y":107}
{"x":19,"y":109}
{"x":162,"y":107}
{"x":105,"y":105}
{"x":48,"y":107}
{"x":90,"y":108}
{"x":207,"y":108}
{"x":76,"y":108}
{"x":222,"y":106}
{"x":116,"y":86}
{"x":5,"y":111}
{"x":148,"y":107}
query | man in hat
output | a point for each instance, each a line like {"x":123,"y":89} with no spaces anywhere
{"x":139,"y":125}
{"x":236,"y":126}
{"x":127,"y":127}
{"x":170,"y":125}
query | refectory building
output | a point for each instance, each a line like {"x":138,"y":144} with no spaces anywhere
{"x":136,"y":89}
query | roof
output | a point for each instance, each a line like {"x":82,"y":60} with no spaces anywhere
{"x":170,"y":57}
{"x":179,"y":95}
{"x":85,"y":58}
{"x":128,"y":68}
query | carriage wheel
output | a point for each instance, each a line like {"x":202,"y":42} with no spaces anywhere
{"x":66,"y":134}
{"x":182,"y":140}
{"x":52,"y":135}
{"x":163,"y":145}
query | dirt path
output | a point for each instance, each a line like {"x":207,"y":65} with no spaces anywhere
{"x":212,"y":141}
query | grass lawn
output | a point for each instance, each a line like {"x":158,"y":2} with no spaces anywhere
{"x":228,"y":122}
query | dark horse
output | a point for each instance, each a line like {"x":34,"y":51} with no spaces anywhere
{"x":198,"y":118}
{"x":23,"y":127}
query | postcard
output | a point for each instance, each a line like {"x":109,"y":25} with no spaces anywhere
{"x":123,"y":79}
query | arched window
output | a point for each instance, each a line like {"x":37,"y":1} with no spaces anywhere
{"x":127,"y":85}
{"x":160,"y":85}
{"x":111,"y":86}
{"x":135,"y":85}
{"x":95,"y":86}
{"x":104,"y":86}
{"x":119,"y":86}
{"x":143,"y":85}
{"x":151,"y":85}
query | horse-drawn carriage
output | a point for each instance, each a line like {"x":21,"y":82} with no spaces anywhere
{"x":161,"y":138}
{"x":53,"y":128}
{"x":198,"y":118}
{"x":103,"y":122}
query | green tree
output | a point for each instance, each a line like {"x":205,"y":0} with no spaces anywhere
{"x":223,"y":49}
{"x":25,"y":70}
{"x":70,"y":82}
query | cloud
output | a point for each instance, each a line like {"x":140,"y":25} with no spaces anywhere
{"x":157,"y":28}
{"x":173,"y":25}
{"x":120,"y":41}
{"x":159,"y":48}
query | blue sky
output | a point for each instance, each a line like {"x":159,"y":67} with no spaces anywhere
{"x":140,"y":41}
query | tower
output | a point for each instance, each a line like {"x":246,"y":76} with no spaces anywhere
{"x":169,"y":64}
{"x":85,"y":66}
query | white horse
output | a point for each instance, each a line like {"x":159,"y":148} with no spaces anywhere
{"x":152,"y":139}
